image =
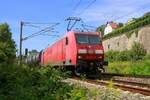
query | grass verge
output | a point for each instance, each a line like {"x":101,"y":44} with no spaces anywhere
{"x":141,"y":67}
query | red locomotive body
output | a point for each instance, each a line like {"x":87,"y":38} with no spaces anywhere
{"x":81,"y":51}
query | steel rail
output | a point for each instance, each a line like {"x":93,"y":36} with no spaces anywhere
{"x":123,"y":86}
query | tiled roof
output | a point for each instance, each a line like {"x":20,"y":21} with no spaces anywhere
{"x":113,"y":25}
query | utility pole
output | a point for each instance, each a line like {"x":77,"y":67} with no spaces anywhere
{"x":49,"y":28}
{"x":20,"y":50}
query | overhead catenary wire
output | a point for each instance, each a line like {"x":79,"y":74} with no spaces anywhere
{"x":40,"y":33}
{"x":77,"y":5}
{"x":30,"y":25}
{"x":38,"y":23}
{"x":91,"y":3}
{"x":50,"y":28}
{"x":132,"y":12}
{"x":74,"y":9}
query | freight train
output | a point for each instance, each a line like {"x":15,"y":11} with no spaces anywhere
{"x":80,"y":52}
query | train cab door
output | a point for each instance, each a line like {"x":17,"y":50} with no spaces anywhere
{"x":42,"y":58}
{"x":66,"y":51}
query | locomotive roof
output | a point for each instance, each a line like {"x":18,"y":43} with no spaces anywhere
{"x":94,"y":33}
{"x":79,"y":32}
{"x":75,"y":32}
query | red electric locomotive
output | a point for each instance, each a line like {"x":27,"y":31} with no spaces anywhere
{"x":81,"y":52}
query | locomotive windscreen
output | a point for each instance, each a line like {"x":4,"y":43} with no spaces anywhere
{"x":86,"y":38}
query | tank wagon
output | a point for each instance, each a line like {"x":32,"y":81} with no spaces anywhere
{"x":80,"y":52}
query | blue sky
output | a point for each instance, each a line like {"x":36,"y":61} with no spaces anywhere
{"x":101,"y":11}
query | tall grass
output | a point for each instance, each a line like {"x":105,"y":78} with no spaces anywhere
{"x":141,"y":67}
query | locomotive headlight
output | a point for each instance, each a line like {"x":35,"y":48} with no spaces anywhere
{"x":79,"y":57}
{"x":98,"y":51}
{"x":82,"y":51}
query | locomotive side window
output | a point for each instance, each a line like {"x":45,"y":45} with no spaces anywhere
{"x":66,"y":40}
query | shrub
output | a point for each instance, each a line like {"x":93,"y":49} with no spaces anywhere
{"x":130,"y":67}
{"x":137,"y":51}
{"x":17,"y":83}
{"x":117,"y":55}
{"x":111,"y":55}
{"x":147,"y":56}
{"x":123,"y":56}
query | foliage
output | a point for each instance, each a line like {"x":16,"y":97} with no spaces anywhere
{"x":141,"y":67}
{"x":45,"y":83}
{"x":137,"y":52}
{"x":147,"y":56}
{"x":101,"y":29}
{"x":123,"y":56}
{"x":7,"y":44}
{"x":78,"y":93}
{"x":129,"y":34}
{"x":120,"y":24}
{"x":117,"y":56}
{"x":111,"y":55}
{"x":19,"y":83}
{"x":139,"y":22}
{"x":146,"y":14}
{"x":33,"y":52}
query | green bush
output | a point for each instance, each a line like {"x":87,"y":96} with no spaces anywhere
{"x":22,"y":83}
{"x":137,"y":51}
{"x":117,"y":55}
{"x":141,"y":67}
{"x":123,"y":56}
{"x":111,"y":55}
{"x":45,"y":83}
{"x":147,"y":56}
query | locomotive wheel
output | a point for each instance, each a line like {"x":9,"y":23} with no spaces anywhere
{"x":89,"y":73}
{"x":79,"y":71}
{"x":96,"y":74}
{"x":102,"y":69}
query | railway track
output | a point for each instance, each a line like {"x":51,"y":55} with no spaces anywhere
{"x":127,"y":87}
{"x":137,"y":80}
{"x":132,"y":86}
{"x":109,"y":75}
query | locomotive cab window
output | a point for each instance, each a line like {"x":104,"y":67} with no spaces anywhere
{"x":84,"y":38}
{"x":94,"y":39}
{"x":66,"y":40}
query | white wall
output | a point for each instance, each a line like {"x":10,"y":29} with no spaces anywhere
{"x":108,"y":29}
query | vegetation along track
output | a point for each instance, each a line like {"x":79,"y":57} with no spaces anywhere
{"x":133,"y":83}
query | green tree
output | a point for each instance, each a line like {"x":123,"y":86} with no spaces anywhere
{"x":101,"y":29}
{"x":7,"y":44}
{"x":120,"y":24}
{"x":33,"y":52}
{"x":146,"y":14}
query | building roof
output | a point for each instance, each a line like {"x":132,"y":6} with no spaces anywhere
{"x":113,"y":24}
